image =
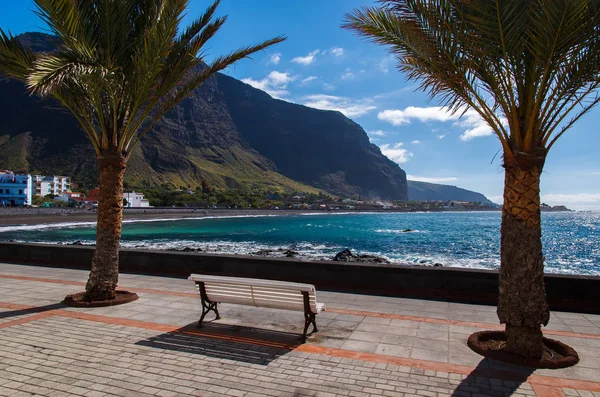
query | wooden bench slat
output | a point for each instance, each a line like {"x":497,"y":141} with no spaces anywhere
{"x":252,"y":281}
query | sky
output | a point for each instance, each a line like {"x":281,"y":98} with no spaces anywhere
{"x":326,"y":67}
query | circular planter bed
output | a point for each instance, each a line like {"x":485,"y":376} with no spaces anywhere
{"x":76,"y":300}
{"x":491,"y":344}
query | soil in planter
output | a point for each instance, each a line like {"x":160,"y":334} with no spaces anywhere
{"x":76,"y":300}
{"x":492,"y":344}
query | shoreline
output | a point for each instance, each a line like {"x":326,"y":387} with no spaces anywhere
{"x":32,"y":216}
{"x":42,"y":216}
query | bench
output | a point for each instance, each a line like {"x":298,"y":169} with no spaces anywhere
{"x":257,"y":292}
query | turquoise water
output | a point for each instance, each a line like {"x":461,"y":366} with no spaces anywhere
{"x":461,"y":239}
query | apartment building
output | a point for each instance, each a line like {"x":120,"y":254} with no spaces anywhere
{"x":15,"y":189}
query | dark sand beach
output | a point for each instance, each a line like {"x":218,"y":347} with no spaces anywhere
{"x":33,"y":216}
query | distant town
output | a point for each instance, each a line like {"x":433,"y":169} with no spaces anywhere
{"x":27,"y":190}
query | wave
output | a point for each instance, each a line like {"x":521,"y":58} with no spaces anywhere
{"x":398,"y":231}
{"x":60,"y":225}
{"x":72,"y":225}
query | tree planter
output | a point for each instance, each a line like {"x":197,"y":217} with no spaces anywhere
{"x":76,"y":300}
{"x":491,"y":344}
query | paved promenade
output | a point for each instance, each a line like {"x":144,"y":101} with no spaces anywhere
{"x":366,"y":345}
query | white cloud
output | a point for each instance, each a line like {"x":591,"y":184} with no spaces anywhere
{"x":399,"y":117}
{"x":274,"y":84}
{"x":337,"y":51}
{"x":275,"y":58}
{"x":431,"y":179}
{"x":383,"y":65}
{"x":306,"y":60}
{"x":582,"y":198}
{"x":396,"y":152}
{"x":416,"y":142}
{"x":474,"y":125}
{"x":496,"y":199}
{"x":441,"y":136}
{"x":376,"y":133}
{"x":308,"y":79}
{"x":328,"y":87}
{"x":348,"y":106}
{"x":348,"y":74}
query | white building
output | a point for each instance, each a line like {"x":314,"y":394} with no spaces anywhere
{"x":15,"y":189}
{"x":55,"y":185}
{"x":136,"y":200}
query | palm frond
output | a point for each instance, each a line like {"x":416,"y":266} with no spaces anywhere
{"x":529,"y":62}
{"x":15,"y":60}
{"x":178,"y":93}
{"x":120,"y":64}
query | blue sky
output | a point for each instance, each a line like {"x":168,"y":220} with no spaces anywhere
{"x":324,"y":66}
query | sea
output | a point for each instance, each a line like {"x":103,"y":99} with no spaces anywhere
{"x":571,"y":240}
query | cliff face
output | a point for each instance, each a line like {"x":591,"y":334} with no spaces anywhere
{"x":226,"y":133}
{"x":317,"y":147}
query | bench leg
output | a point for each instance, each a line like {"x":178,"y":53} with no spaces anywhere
{"x":309,"y":318}
{"x":206,"y":308}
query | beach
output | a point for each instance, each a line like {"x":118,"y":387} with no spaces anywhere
{"x":35,"y":216}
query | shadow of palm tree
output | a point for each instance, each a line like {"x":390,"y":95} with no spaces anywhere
{"x":250,"y":345}
{"x":494,"y":379}
{"x":33,"y":310}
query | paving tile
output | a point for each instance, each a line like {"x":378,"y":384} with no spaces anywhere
{"x":366,"y":336}
{"x":393,"y":350}
{"x":360,"y":346}
{"x":429,"y":355}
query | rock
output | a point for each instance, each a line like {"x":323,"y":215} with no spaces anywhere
{"x":407,"y":230}
{"x":438,"y":265}
{"x":78,"y":242}
{"x":185,"y":249}
{"x":372,"y":259}
{"x":188,"y":249}
{"x":290,"y":253}
{"x":265,"y":252}
{"x":345,"y":256}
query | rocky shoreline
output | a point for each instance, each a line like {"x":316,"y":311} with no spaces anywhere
{"x":346,"y":255}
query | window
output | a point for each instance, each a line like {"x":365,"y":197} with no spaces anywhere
{"x":20,"y":191}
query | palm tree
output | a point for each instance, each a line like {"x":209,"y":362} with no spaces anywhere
{"x":530,"y":69}
{"x":121,"y":65}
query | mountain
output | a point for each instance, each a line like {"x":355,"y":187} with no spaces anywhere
{"x":226,"y":133}
{"x":424,"y":191}
{"x":317,"y":147}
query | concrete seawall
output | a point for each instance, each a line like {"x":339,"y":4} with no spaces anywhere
{"x":569,"y":293}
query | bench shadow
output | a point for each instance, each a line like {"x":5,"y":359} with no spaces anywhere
{"x":243,"y":344}
{"x":33,"y":310}
{"x":493,"y":378}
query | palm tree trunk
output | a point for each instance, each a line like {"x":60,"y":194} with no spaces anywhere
{"x":522,"y":297}
{"x":104,"y":275}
